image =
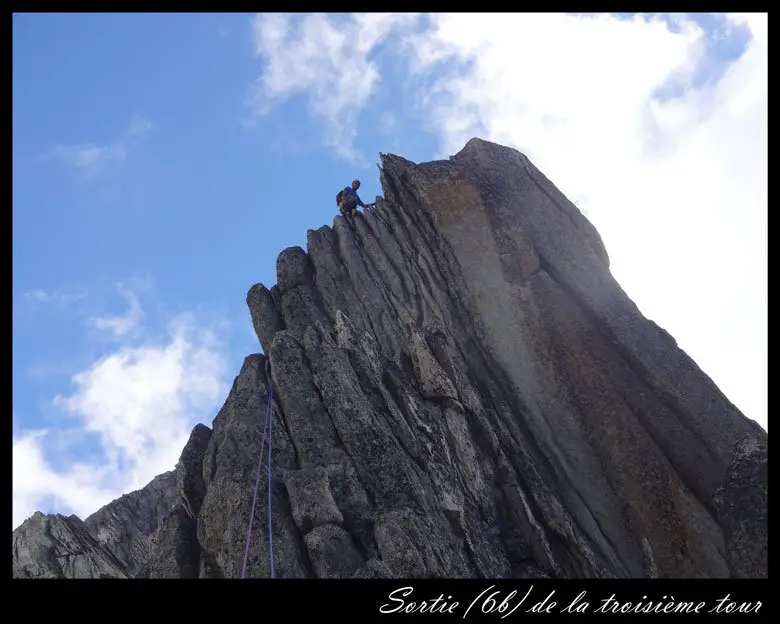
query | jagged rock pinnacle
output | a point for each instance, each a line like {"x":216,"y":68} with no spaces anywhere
{"x":461,"y":389}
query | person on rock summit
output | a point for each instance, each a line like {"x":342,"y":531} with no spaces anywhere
{"x":348,"y":200}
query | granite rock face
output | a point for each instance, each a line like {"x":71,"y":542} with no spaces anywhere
{"x":741,"y":508}
{"x":460,"y":388}
{"x":124,"y":525}
{"x":57,"y":546}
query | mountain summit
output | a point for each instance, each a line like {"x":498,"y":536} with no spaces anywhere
{"x":459,"y":388}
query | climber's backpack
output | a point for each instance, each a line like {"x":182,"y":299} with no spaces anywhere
{"x":338,"y":197}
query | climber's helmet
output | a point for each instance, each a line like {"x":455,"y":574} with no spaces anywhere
{"x":356,"y":184}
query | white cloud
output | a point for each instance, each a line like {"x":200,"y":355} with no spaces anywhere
{"x":36,"y":299}
{"x":35,"y":481}
{"x":88,"y":156}
{"x":326,"y":59}
{"x":121,"y":324}
{"x":90,"y":159}
{"x":676,"y":187}
{"x":671,"y":169}
{"x":59,"y":297}
{"x":140,"y":402}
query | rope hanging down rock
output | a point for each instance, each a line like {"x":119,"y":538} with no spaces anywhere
{"x":268,"y":426}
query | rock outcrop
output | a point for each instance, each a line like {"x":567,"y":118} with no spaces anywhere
{"x":460,"y":389}
{"x":124,"y":525}
{"x":57,"y":546}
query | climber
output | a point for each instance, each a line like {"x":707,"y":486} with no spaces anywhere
{"x":348,"y":200}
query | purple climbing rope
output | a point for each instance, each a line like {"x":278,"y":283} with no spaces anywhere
{"x":267,"y":427}
{"x":270,"y":498}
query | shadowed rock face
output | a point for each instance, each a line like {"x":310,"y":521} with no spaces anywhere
{"x":124,"y":525}
{"x":460,"y":389}
{"x":56,"y":546}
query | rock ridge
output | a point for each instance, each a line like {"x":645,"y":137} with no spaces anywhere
{"x":460,"y":389}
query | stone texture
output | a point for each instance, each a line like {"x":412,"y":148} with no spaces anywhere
{"x":373,"y":569}
{"x":398,"y":550}
{"x":124,"y":525}
{"x":56,"y":546}
{"x":189,"y":471}
{"x":741,"y":506}
{"x":332,"y":552}
{"x":265,"y":316}
{"x":461,"y":389}
{"x":311,"y":502}
{"x":174,"y":551}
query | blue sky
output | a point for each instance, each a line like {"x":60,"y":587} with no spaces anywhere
{"x":162,"y":161}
